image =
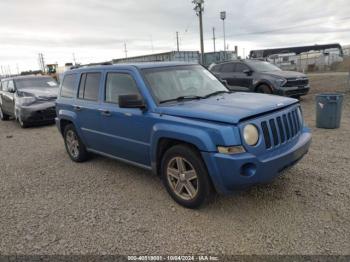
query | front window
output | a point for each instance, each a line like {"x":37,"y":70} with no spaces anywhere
{"x":262,"y":66}
{"x":44,"y":82}
{"x":182,"y":81}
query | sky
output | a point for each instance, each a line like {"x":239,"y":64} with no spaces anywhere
{"x":96,"y":30}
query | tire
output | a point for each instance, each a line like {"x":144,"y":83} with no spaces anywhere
{"x":74,"y":146}
{"x":22,"y":123}
{"x":264,"y":89}
{"x":193,"y":191}
{"x":3,"y":116}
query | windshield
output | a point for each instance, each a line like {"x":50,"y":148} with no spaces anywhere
{"x":261,"y":66}
{"x":182,"y":81}
{"x":44,"y":82}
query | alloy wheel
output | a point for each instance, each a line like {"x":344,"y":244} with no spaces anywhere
{"x":72,"y":143}
{"x":182,"y":178}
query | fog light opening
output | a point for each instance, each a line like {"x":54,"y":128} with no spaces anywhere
{"x":248,"y":170}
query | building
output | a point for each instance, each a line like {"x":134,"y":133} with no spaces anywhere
{"x":180,"y":56}
{"x":302,"y":58}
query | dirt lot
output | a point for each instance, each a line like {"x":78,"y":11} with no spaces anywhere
{"x":50,"y":205}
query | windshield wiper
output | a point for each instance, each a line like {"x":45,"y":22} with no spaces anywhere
{"x":181,"y":98}
{"x":218,"y":93}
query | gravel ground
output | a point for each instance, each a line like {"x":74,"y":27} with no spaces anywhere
{"x":50,"y":205}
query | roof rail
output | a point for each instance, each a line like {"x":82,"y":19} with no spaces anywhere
{"x":91,"y":64}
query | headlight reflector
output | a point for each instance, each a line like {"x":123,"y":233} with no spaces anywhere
{"x":251,"y":134}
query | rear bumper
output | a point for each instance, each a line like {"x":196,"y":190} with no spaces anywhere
{"x":293,"y":91}
{"x":236,"y":172}
{"x":38,"y":113}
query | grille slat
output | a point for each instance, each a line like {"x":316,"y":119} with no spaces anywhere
{"x":281,"y":129}
{"x":266,"y":134}
{"x":291,"y":125}
{"x":274,"y":132}
{"x":286,"y":126}
{"x":296,"y":121}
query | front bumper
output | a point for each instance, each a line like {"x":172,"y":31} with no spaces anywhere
{"x":236,"y":172}
{"x":37,"y":113}
{"x":293,"y":91}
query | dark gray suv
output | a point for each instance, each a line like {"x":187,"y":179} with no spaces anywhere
{"x":262,"y":77}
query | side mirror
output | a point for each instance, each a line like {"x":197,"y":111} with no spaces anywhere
{"x":248,"y":72}
{"x":131,"y":101}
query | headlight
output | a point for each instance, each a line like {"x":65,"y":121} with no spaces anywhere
{"x":251,"y":134}
{"x":26,"y":100}
{"x":280,"y":81}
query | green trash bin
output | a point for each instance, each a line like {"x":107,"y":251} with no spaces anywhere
{"x":329,"y":110}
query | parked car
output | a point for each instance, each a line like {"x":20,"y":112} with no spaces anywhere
{"x":262,"y":77}
{"x":28,"y":99}
{"x":182,"y":123}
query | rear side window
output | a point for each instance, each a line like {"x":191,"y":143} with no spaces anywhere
{"x":119,"y":84}
{"x":68,"y":84}
{"x":241,"y":67}
{"x":10,"y":85}
{"x":89,"y":86}
{"x":4,"y":85}
{"x":228,"y":68}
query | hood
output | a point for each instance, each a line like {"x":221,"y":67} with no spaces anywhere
{"x":41,"y":92}
{"x":285,"y":74}
{"x":227,"y":108}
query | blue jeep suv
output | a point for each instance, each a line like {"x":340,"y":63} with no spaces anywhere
{"x":181,"y":122}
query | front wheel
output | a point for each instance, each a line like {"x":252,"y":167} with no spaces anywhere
{"x":264,"y":89}
{"x":3,"y":116}
{"x":74,"y":146}
{"x":185,"y":176}
{"x":22,"y":123}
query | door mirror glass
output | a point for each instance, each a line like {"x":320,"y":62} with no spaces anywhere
{"x":131,"y":101}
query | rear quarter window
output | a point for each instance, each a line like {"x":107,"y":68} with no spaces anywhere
{"x":89,"y":86}
{"x":68,"y":86}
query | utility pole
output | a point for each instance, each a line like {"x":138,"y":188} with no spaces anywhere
{"x":125,"y":50}
{"x":214,"y":39}
{"x":223,"y":17}
{"x":17,"y":69}
{"x":177,"y":41}
{"x":41,"y":62}
{"x":199,"y":8}
{"x":74,"y":60}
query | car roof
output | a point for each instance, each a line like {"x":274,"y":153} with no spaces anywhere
{"x":25,"y":77}
{"x":148,"y":65}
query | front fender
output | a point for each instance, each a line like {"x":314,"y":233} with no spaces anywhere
{"x":204,"y":139}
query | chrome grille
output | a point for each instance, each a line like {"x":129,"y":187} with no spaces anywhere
{"x":297,"y":82}
{"x":281,"y":129}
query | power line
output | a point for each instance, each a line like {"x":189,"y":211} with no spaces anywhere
{"x":278,"y":29}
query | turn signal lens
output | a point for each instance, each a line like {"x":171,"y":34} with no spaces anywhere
{"x":230,"y":150}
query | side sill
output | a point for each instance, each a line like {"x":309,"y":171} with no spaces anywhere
{"x":120,"y":159}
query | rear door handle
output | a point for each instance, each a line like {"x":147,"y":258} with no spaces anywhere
{"x":105,"y":112}
{"x":77,"y":108}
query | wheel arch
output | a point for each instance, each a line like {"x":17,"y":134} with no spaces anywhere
{"x":264,"y":82}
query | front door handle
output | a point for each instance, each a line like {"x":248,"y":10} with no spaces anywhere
{"x":77,"y":108}
{"x":105,"y":112}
